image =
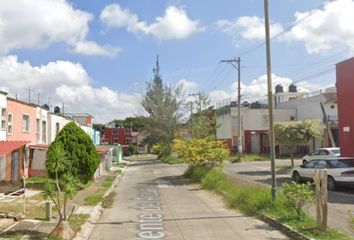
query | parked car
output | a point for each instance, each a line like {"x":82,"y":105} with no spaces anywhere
{"x":321,"y":153}
{"x":340,"y":171}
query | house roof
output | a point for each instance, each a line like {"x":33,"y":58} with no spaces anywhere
{"x":8,"y":146}
{"x":102,"y":150}
{"x":40,"y":146}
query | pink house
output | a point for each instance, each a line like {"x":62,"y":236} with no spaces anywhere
{"x":21,"y":124}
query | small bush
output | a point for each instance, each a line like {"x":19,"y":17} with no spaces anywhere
{"x":171,"y":160}
{"x":298,"y":195}
{"x":195,"y":173}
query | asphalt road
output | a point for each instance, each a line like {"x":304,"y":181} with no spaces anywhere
{"x":154,"y":202}
{"x":340,"y":202}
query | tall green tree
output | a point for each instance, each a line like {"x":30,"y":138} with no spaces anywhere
{"x":79,"y":149}
{"x":72,"y":159}
{"x":294,"y":133}
{"x":162,"y":102}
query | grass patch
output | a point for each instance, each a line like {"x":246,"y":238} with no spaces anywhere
{"x":171,"y":160}
{"x":33,"y":211}
{"x":253,"y":200}
{"x":36,"y":183}
{"x":108,"y":200}
{"x":77,"y":220}
{"x":284,"y":168}
{"x":96,"y":198}
{"x":255,"y":157}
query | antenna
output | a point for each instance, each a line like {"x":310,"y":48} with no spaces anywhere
{"x":29,"y":94}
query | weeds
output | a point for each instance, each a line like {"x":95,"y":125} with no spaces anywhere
{"x":254,"y":200}
{"x":171,"y":160}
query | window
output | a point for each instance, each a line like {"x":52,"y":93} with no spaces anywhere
{"x":25,"y":123}
{"x":3,"y":123}
{"x":9,"y":118}
{"x":115,"y":140}
{"x":320,"y":164}
{"x":3,"y":112}
{"x":292,"y":118}
{"x":38,"y":126}
{"x":115,"y":131}
{"x":44,"y":131}
{"x":128,"y":141}
{"x":127,"y":131}
{"x":310,"y":164}
{"x":57,"y":128}
{"x":9,"y":123}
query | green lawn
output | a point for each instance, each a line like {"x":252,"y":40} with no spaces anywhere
{"x":98,"y":196}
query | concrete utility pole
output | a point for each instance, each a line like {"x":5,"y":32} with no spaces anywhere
{"x":270,"y":99}
{"x":239,"y":135}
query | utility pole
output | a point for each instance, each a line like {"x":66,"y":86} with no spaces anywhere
{"x":191,"y":116}
{"x":239,"y":135}
{"x":29,"y":94}
{"x":270,"y":99}
{"x":199,"y":101}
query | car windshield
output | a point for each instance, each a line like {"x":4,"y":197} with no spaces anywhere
{"x":341,"y":163}
{"x":336,"y":151}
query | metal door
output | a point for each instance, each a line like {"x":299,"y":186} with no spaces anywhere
{"x":255,"y":143}
{"x":14,"y":166}
{"x":2,"y":168}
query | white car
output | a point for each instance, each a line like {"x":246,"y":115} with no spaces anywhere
{"x":340,"y":171}
{"x":321,"y":153}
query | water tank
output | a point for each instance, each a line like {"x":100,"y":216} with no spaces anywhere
{"x":45,"y":106}
{"x":292,"y":88}
{"x":279,"y":88}
{"x":56,"y":109}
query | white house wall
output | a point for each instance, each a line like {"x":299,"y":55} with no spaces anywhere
{"x":42,"y":115}
{"x":224,"y":124}
{"x":53,"y":119}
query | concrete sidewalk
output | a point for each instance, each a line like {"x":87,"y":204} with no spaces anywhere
{"x":39,"y":229}
{"x":154,"y":202}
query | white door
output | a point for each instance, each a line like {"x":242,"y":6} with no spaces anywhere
{"x":2,"y":168}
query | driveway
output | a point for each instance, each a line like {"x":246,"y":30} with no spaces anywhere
{"x":340,"y":203}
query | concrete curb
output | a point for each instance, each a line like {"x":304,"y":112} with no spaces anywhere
{"x":87,"y":227}
{"x":287,"y":230}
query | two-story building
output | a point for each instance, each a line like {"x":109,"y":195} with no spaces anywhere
{"x":254,"y":125}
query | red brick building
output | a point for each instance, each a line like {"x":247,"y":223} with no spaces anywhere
{"x":345,"y":98}
{"x":118,"y":135}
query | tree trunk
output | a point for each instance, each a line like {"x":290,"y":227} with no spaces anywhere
{"x":63,"y":230}
{"x":291,"y":156}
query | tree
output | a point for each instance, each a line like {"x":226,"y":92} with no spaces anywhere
{"x":162,"y":103}
{"x":72,"y":159}
{"x":293,"y":133}
{"x":60,"y":187}
{"x":79,"y":149}
{"x":203,"y":122}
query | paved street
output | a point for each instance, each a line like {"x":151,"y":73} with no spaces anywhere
{"x":154,"y":202}
{"x":340,"y":203}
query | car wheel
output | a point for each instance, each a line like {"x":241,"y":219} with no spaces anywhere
{"x":296,"y":177}
{"x":331,"y":183}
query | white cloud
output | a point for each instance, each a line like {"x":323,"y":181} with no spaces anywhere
{"x":67,"y":82}
{"x":92,"y":48}
{"x":324,"y":29}
{"x":39,"y":23}
{"x":174,"y":24}
{"x":249,"y":28}
{"x":187,"y":85}
{"x":257,"y":89}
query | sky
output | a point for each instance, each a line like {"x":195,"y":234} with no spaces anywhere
{"x":96,"y":56}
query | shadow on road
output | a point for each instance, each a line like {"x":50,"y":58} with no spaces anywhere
{"x":176,"y":180}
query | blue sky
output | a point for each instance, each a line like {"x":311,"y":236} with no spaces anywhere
{"x":95,"y":56}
